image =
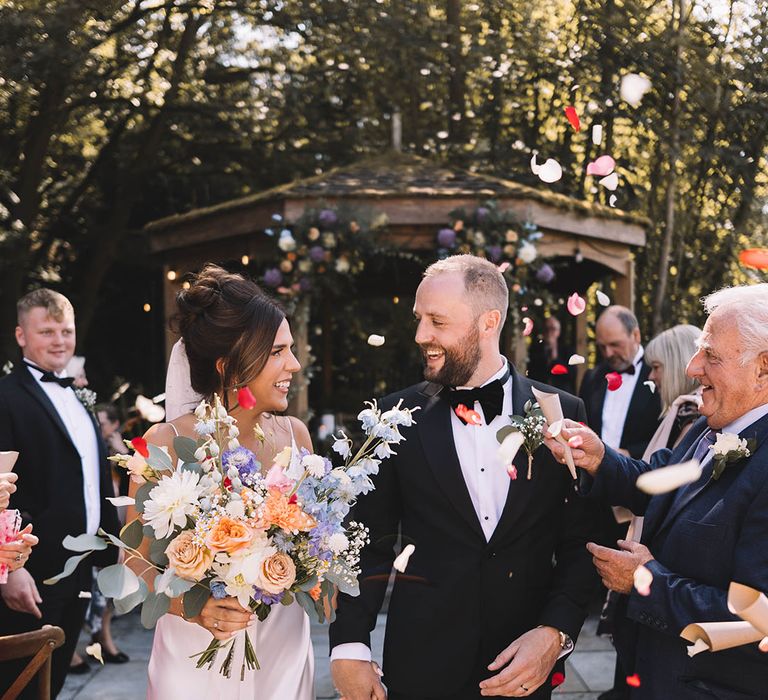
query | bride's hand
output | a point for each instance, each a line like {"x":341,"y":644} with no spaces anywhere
{"x":223,"y":618}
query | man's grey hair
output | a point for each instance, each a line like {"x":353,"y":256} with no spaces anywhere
{"x":748,"y":306}
{"x":485,"y":285}
{"x":625,"y":316}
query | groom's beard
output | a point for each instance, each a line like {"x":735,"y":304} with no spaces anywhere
{"x":459,"y":362}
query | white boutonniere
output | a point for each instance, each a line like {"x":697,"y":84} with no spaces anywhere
{"x":86,"y":397}
{"x":729,"y":449}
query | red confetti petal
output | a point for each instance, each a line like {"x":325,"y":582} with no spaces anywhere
{"x":754,"y":257}
{"x":469,"y":416}
{"x":614,"y":380}
{"x":559,"y":369}
{"x":633,"y":680}
{"x":557,"y":679}
{"x":227,"y":483}
{"x":512,"y":471}
{"x":573,"y":118}
{"x":576,"y":304}
{"x":246,"y":399}
{"x":293,"y":500}
{"x":140,"y":445}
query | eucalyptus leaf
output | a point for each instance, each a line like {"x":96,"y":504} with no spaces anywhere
{"x":306,"y":602}
{"x":342,"y":577}
{"x":193,"y":467}
{"x":159,"y":459}
{"x":124,"y":605}
{"x":69,"y":566}
{"x":502,"y":433}
{"x":309,"y":584}
{"x":178,"y":586}
{"x":155,"y":606}
{"x":195,"y":599}
{"x":185,"y":447}
{"x":132,"y":534}
{"x":142,"y":494}
{"x":114,"y":540}
{"x":117,"y":581}
{"x":287,"y":598}
{"x":83,"y":543}
{"x":157,"y":553}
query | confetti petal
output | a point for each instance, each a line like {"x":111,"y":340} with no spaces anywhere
{"x":527,"y":326}
{"x":401,"y":560}
{"x":121,"y":500}
{"x":651,"y":385}
{"x":666,"y":479}
{"x":575,"y":304}
{"x":94,"y":650}
{"x":604,"y":165}
{"x":559,"y":369}
{"x":149,"y":410}
{"x":550,"y":171}
{"x":614,"y":380}
{"x":633,"y":680}
{"x":556,"y":428}
{"x":612,"y":200}
{"x":246,"y":399}
{"x":469,"y":416}
{"x":140,"y":445}
{"x":573,"y":118}
{"x":633,"y":88}
{"x":642,"y":578}
{"x":510,"y":446}
{"x":512,"y":472}
{"x":503,"y":267}
{"x":576,"y":360}
{"x":756,"y":258}
{"x":597,"y":134}
{"x":376,"y":340}
{"x":602,"y":298}
{"x":610,"y":182}
{"x":558,"y":678}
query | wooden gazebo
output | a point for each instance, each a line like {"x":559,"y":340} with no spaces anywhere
{"x":416,"y":195}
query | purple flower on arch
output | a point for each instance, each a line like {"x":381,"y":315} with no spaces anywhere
{"x":327,"y":218}
{"x":446,"y":238}
{"x":273,"y":277}
{"x":545,"y":274}
{"x":317,"y":253}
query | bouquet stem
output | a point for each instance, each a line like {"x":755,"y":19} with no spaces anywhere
{"x":207,"y":658}
{"x":530,"y":464}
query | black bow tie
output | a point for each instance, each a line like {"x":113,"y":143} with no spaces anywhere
{"x":490,"y":396}
{"x":49,"y":376}
{"x":629,"y":370}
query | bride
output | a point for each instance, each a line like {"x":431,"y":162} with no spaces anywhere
{"x":233,"y":335}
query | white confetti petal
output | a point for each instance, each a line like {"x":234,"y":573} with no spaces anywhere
{"x":149,"y":410}
{"x":85,"y":595}
{"x":94,"y":650}
{"x":535,"y":167}
{"x":603,"y":299}
{"x":121,"y":500}
{"x":597,"y":134}
{"x":669,"y":478}
{"x":610,"y":182}
{"x":510,"y":446}
{"x":643,"y":578}
{"x":651,"y":385}
{"x":550,"y":171}
{"x":401,"y":561}
{"x":612,"y":200}
{"x":555,"y":429}
{"x":376,"y":340}
{"x":576,"y":360}
{"x":633,"y":88}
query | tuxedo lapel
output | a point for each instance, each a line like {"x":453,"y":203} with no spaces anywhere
{"x":600,"y":386}
{"x":434,"y":427}
{"x":30,"y":385}
{"x":521,"y":489}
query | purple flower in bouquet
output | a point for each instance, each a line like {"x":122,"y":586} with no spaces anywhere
{"x":481,"y":213}
{"x":317,"y":253}
{"x":266,"y":598}
{"x":545,"y":274}
{"x":327,"y":218}
{"x":446,"y":238}
{"x":242,"y":459}
{"x":273,"y":277}
{"x":494,"y":253}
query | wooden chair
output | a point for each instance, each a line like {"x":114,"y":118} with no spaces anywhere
{"x":36,"y":646}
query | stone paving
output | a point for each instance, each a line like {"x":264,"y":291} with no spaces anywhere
{"x":589,"y":670}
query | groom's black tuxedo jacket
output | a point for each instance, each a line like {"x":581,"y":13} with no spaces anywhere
{"x":50,"y":485}
{"x":462,"y":599}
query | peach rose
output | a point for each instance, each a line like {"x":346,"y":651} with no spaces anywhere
{"x":188,"y":558}
{"x":228,"y":536}
{"x":277,"y":573}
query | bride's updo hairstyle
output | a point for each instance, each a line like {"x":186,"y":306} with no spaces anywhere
{"x":225,"y":316}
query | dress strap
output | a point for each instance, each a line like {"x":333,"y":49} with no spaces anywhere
{"x":174,"y":429}
{"x":290,"y":429}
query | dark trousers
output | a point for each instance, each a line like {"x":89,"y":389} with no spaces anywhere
{"x":471,"y":691}
{"x":66,"y":613}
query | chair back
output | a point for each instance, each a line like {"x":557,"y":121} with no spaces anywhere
{"x":37,"y":646}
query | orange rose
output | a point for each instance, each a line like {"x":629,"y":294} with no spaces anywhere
{"x":314,"y":593}
{"x":188,"y":558}
{"x":277,"y":573}
{"x":228,"y":536}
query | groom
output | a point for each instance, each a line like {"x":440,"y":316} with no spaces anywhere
{"x":497,"y":588}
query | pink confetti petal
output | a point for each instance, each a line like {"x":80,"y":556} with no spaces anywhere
{"x":642,"y":579}
{"x":527,"y":326}
{"x":575,"y":304}
{"x":469,"y":416}
{"x":614,"y":380}
{"x":512,"y":471}
{"x":604,"y":165}
{"x":503,"y":267}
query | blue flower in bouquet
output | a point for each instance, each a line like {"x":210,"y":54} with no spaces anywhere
{"x":266,"y":598}
{"x":446,"y":238}
{"x":242,"y":459}
{"x":327,"y":217}
{"x":383,"y":450}
{"x":368,"y":418}
{"x":317,"y":253}
{"x":364,"y":467}
{"x":218,"y":590}
{"x":273,"y":277}
{"x":283,"y":541}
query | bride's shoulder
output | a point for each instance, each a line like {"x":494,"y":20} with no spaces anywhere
{"x":162,"y":434}
{"x":300,"y":432}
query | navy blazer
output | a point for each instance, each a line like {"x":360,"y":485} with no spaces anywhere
{"x":464,"y":599}
{"x":702,"y":537}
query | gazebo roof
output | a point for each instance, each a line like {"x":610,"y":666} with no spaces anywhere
{"x":398,"y":175}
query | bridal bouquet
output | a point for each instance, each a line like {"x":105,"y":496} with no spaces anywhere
{"x":219,"y":526}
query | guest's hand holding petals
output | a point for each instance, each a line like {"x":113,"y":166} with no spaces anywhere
{"x":7,"y":487}
{"x":587,"y":448}
{"x":16,"y":553}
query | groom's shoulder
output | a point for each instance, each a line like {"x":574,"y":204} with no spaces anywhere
{"x":412,"y":396}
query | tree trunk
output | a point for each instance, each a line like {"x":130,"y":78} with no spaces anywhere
{"x":456,"y":82}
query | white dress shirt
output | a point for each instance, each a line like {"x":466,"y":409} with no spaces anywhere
{"x":484,"y":474}
{"x":82,"y":432}
{"x":616,"y":405}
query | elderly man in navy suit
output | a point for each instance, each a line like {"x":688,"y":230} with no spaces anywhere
{"x":700,"y":537}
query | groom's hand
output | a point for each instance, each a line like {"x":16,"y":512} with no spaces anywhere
{"x":525,"y":664}
{"x":357,"y":680}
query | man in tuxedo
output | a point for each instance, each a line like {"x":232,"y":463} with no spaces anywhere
{"x":627,"y":417}
{"x":63,"y":478}
{"x":548,"y":353}
{"x":498,"y":586}
{"x":703,"y":535}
